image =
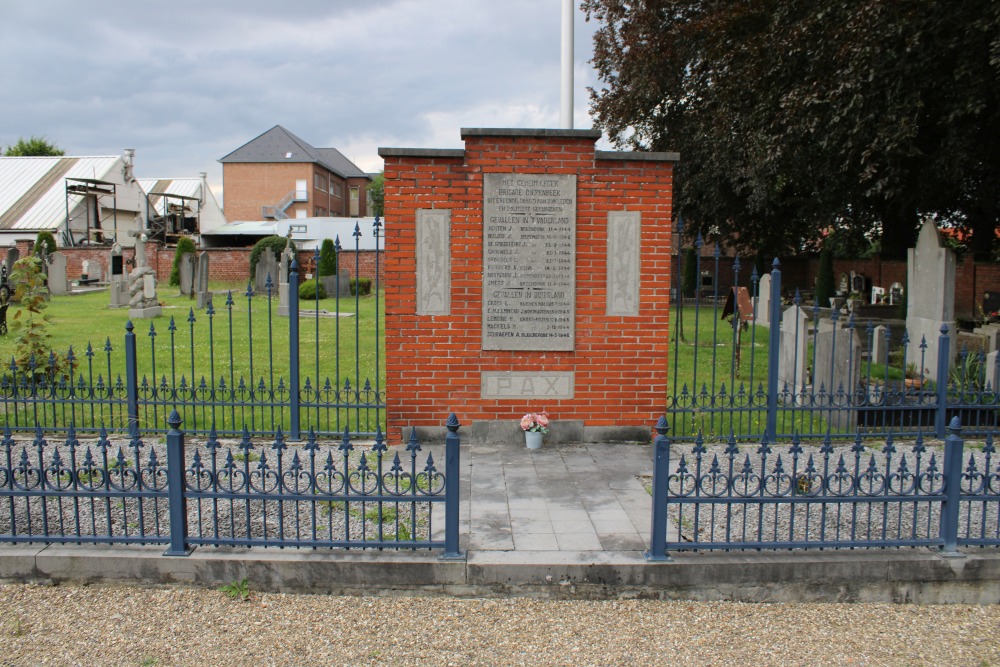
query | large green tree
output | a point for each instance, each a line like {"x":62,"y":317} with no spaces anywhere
{"x":33,"y":147}
{"x":795,"y":119}
{"x":376,"y":191}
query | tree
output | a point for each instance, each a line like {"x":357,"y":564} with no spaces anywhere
{"x":185,"y":244}
{"x":825,"y":278}
{"x":33,"y":147}
{"x":277,"y":246}
{"x":45,"y":240}
{"x":793,"y":118}
{"x":30,"y":323}
{"x":327,"y":259}
{"x":376,"y":190}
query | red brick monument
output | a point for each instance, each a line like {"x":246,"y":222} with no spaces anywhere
{"x":528,"y":271}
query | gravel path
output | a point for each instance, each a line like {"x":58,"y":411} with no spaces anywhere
{"x":158,"y":627}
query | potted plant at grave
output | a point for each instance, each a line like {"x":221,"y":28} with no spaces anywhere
{"x":535,"y":425}
{"x":913,"y":379}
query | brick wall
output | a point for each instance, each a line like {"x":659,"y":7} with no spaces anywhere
{"x":225,"y":264}
{"x":434,"y":363}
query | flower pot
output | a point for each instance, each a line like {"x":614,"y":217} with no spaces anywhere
{"x":533,"y":439}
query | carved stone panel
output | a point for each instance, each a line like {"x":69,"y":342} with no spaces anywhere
{"x":433,"y":262}
{"x":624,"y":239}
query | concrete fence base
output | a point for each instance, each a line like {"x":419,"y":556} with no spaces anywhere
{"x":903,"y":576}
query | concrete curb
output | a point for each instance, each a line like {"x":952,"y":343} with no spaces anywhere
{"x":921,"y":576}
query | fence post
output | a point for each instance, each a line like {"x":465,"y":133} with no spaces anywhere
{"x":131,"y":380}
{"x":294,"y":431}
{"x":176,"y":501}
{"x":953,"y":445}
{"x":452,"y":477}
{"x":943,"y":368}
{"x":657,"y":552}
{"x":774,"y":345}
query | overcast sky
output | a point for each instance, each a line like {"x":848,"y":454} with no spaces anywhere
{"x":185,"y":83}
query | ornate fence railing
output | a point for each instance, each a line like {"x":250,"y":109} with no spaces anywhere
{"x":792,"y":496}
{"x":734,"y":371}
{"x":310,"y":495}
{"x":226,"y":369}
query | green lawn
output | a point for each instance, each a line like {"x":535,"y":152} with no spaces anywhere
{"x":246,"y":342}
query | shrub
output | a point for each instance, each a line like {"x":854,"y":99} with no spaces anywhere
{"x":45,"y":239}
{"x":277,"y":246}
{"x":327,"y":259}
{"x":31,"y":330}
{"x":366,"y":286}
{"x":689,"y":281}
{"x":825,"y":279}
{"x":309,"y":289}
{"x":184,"y":245}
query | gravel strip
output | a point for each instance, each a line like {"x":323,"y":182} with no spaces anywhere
{"x":121,"y":625}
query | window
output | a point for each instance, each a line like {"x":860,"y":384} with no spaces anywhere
{"x":335,"y":189}
{"x":320,"y":182}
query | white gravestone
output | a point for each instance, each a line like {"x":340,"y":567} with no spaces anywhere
{"x":792,"y":359}
{"x":930,"y":273}
{"x":764,"y":301}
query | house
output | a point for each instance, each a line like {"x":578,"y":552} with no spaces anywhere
{"x":180,"y":206}
{"x":83,"y":200}
{"x":278,"y":176}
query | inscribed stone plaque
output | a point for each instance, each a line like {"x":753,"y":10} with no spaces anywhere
{"x":500,"y":384}
{"x":624,"y":236}
{"x":529,"y":261}
{"x":433,"y":262}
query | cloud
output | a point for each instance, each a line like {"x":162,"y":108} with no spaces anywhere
{"x":185,"y":83}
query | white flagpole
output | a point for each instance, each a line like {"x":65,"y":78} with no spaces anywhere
{"x":566,"y":96}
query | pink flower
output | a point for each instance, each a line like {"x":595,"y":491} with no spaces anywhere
{"x":542,"y":419}
{"x":527,"y":422}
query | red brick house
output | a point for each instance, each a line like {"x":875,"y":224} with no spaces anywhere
{"x":278,"y":176}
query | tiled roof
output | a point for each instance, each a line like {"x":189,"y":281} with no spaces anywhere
{"x":280,"y":145}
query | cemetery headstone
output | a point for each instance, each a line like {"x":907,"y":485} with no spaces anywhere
{"x":143,"y":303}
{"x":792,"y":360}
{"x":880,"y":346}
{"x":836,"y":376}
{"x":186,"y":274}
{"x":117,"y":279}
{"x":764,"y":301}
{"x":992,"y":371}
{"x":283,"y":268}
{"x":201,"y":281}
{"x":13,"y":254}
{"x":267,"y":266}
{"x":930,"y":272}
{"x":58,"y":284}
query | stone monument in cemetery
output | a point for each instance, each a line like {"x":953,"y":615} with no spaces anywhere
{"x":527,"y":272}
{"x":763,"y":305}
{"x":792,"y":356}
{"x":287,"y":255}
{"x":267,"y":265}
{"x":143,"y":303}
{"x":58,"y":283}
{"x":117,"y":278}
{"x":837,"y":373}
{"x":13,"y":254}
{"x":930,"y":274}
{"x":185,"y":273}
{"x":201,"y":281}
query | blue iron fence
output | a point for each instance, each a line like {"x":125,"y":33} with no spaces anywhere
{"x":726,"y":376}
{"x":794,"y":497}
{"x":308,"y":496}
{"x":157,"y":371}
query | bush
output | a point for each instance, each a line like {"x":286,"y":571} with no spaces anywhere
{"x":45,"y":239}
{"x":825,"y":279}
{"x":689,"y":277}
{"x":277,"y":246}
{"x":327,"y":259}
{"x":366,"y":286}
{"x":184,"y":245}
{"x":309,"y":289}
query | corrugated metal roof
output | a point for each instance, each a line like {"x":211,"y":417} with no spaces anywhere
{"x":185,"y":187}
{"x":47,"y":209}
{"x":280,"y":145}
